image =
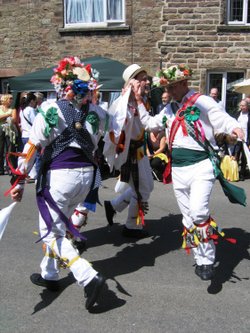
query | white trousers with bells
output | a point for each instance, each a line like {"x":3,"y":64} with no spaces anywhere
{"x":193,"y":186}
{"x":129,"y":196}
{"x":68,"y":187}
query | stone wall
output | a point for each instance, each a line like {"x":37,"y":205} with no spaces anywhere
{"x":32,"y":37}
{"x":195,"y":33}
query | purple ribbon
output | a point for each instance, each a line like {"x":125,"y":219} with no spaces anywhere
{"x":45,"y":196}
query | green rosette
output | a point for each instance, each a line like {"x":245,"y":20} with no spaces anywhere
{"x":51,"y":119}
{"x":94,"y":120}
{"x":192,"y":114}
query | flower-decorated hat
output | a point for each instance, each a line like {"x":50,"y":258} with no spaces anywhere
{"x":73,"y":75}
{"x":173,"y":74}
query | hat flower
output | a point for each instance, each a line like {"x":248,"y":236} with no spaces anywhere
{"x":71,"y":73}
{"x":172,"y":74}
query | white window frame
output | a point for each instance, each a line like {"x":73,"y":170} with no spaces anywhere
{"x":224,"y":85}
{"x":105,"y":23}
{"x":244,"y":14}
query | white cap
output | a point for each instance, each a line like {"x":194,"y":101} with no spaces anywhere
{"x":131,"y":71}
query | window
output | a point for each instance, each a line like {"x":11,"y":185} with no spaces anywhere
{"x":85,"y":13}
{"x":224,"y":81}
{"x":239,"y":12}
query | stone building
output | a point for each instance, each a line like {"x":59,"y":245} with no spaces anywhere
{"x":212,"y":36}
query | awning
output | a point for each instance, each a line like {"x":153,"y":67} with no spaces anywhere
{"x":110,"y":76}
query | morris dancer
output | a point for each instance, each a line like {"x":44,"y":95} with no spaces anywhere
{"x":194,"y":163}
{"x":125,"y":150}
{"x":68,"y":172}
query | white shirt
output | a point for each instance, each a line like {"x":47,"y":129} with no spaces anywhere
{"x":243,"y":120}
{"x":29,"y":113}
{"x":212,"y":117}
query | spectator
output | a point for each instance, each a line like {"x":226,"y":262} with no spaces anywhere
{"x":27,"y":117}
{"x":8,"y":130}
{"x":39,"y":98}
{"x":165,"y":98}
{"x":244,"y":120}
{"x":214,"y":93}
{"x":156,"y":151}
{"x":99,"y":102}
{"x":20,"y":107}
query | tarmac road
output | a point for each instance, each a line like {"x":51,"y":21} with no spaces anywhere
{"x":151,"y":285}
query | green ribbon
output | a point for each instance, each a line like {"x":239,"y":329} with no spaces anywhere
{"x":234,"y":193}
{"x":94,"y":121}
{"x":164,"y":120}
{"x":51,"y":119}
{"x":106,"y":127}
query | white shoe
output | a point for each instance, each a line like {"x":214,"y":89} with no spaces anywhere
{"x":79,"y":218}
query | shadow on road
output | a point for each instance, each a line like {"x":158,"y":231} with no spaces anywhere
{"x":165,"y":236}
{"x":229,"y":256}
{"x":47,"y":297}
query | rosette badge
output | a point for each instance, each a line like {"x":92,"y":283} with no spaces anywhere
{"x":173,"y":74}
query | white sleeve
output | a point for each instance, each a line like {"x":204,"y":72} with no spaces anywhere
{"x":37,"y":138}
{"x":151,"y":123}
{"x":220,"y":120}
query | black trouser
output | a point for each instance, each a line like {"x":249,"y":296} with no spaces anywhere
{"x":241,"y":158}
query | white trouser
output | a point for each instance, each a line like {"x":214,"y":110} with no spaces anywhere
{"x":193,"y":186}
{"x":129,"y":196}
{"x":68,"y":187}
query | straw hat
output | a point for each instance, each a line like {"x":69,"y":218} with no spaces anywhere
{"x":131,"y":71}
{"x":172,"y":74}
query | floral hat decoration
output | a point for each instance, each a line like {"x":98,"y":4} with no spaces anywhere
{"x":72,"y":74}
{"x":175,"y":73}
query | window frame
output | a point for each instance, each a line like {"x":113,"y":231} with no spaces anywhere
{"x":106,"y":23}
{"x":244,"y":14}
{"x":224,"y":84}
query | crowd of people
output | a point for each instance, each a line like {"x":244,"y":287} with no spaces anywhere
{"x":15,"y":128}
{"x":176,"y":145}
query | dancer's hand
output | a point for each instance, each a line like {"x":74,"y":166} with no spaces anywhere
{"x":238,"y":132}
{"x":136,"y":88}
{"x":16,"y":194}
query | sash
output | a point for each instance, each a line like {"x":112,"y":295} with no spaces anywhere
{"x":234,"y":193}
{"x":178,"y":121}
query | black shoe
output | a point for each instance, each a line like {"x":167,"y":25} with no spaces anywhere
{"x":241,"y":178}
{"x":109,"y":211}
{"x":198,"y":270}
{"x":40,"y":281}
{"x":93,"y":289}
{"x":205,"y":272}
{"x":134,"y":233}
{"x":79,"y":245}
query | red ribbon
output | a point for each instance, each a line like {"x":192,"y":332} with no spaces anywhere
{"x":17,"y":172}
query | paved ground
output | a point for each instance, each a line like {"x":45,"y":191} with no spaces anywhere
{"x":151,"y":286}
